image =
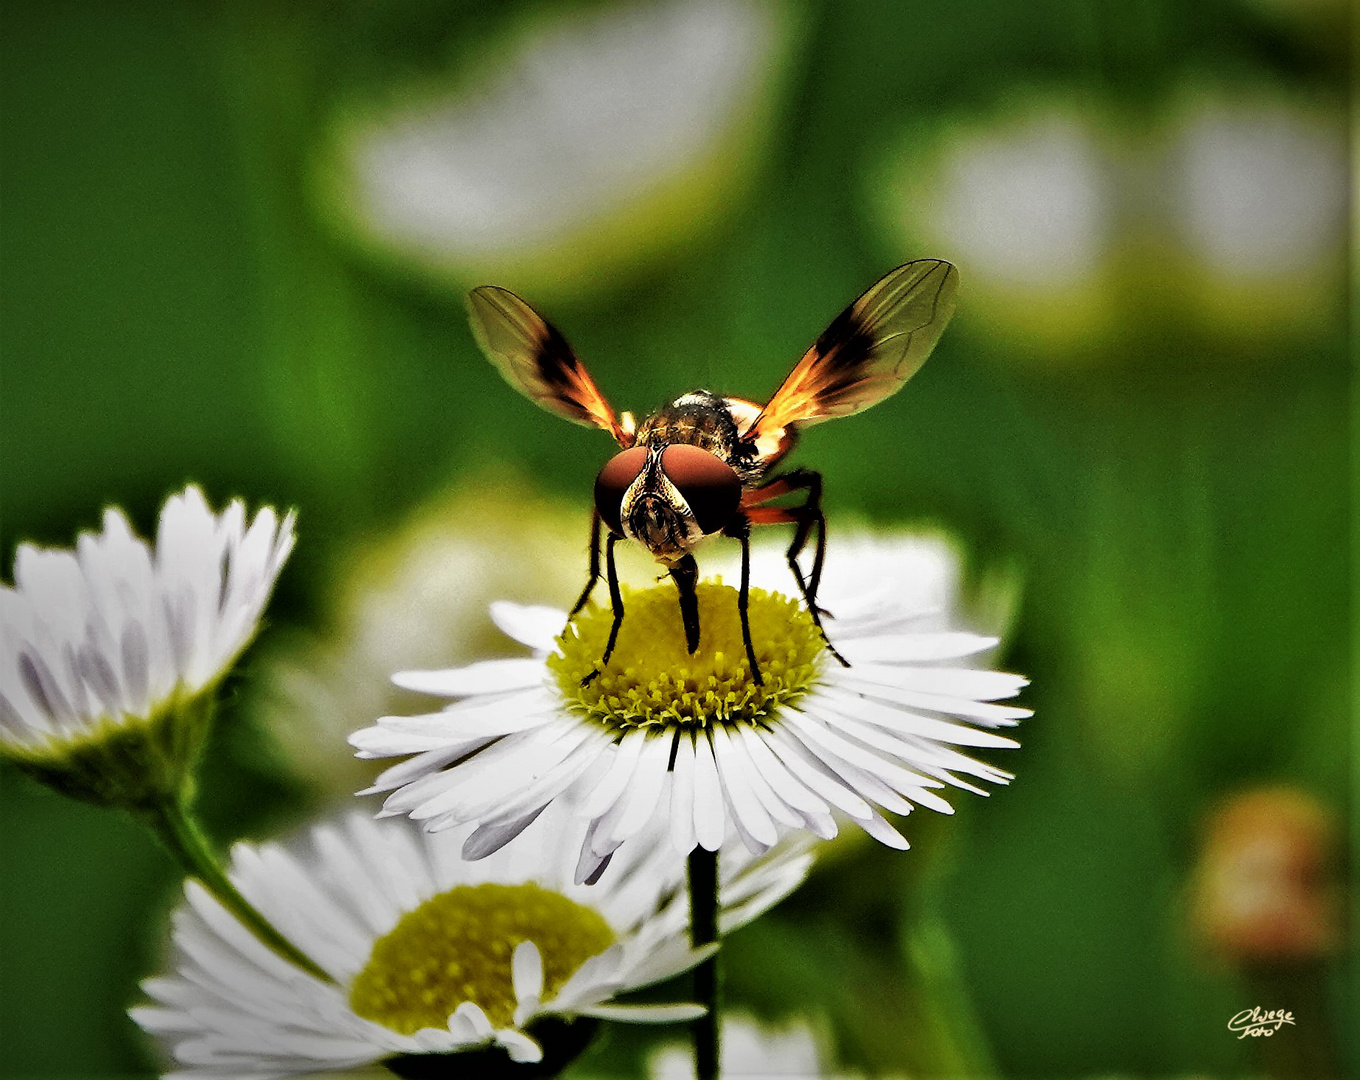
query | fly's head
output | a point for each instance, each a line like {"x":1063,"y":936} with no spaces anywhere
{"x":668,"y":498}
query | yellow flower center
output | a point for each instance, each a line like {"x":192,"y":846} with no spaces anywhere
{"x":457,"y":947}
{"x":651,"y":679}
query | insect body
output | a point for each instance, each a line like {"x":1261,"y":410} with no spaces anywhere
{"x":701,"y":466}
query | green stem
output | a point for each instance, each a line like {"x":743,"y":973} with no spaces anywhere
{"x":703,"y":929}
{"x":174,"y":823}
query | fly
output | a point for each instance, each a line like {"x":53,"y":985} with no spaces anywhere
{"x":703,"y":465}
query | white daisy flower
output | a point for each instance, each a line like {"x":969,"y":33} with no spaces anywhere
{"x":109,"y":652}
{"x":432,"y":954}
{"x":815,"y":737}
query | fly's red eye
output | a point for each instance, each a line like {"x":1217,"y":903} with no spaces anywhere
{"x":707,"y":483}
{"x":615,"y":478}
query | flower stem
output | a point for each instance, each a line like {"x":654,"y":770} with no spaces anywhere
{"x":703,"y":929}
{"x":172,"y":820}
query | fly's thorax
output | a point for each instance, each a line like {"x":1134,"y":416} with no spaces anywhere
{"x":697,"y":419}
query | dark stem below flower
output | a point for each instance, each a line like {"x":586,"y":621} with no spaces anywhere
{"x":172,"y":820}
{"x":703,"y":923}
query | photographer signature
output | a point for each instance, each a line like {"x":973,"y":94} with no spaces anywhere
{"x":1257,"y":1022}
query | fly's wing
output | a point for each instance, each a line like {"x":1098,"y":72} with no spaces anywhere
{"x":536,"y":360}
{"x":872,"y":348}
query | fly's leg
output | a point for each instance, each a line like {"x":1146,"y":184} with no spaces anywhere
{"x":806,"y":518}
{"x":685,"y":573}
{"x":594,"y":565}
{"x":615,"y":602}
{"x":743,"y":602}
{"x":740,"y":530}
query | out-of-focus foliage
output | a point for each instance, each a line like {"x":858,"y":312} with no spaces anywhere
{"x":175,"y":304}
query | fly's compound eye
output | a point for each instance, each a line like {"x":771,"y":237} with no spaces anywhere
{"x":615,"y":478}
{"x":705,"y":481}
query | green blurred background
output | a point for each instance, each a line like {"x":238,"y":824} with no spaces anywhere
{"x":1142,"y":407}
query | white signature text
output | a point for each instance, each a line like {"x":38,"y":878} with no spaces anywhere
{"x":1257,"y":1021}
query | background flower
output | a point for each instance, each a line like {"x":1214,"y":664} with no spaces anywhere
{"x":1083,"y":221}
{"x":568,"y":154}
{"x":752,"y":1051}
{"x":415,"y":598}
{"x":397,"y":918}
{"x":110,"y":652}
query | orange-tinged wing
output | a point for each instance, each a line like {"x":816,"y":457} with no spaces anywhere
{"x":536,"y":360}
{"x":872,"y":348}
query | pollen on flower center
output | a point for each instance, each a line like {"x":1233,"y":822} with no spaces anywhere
{"x":457,"y":947}
{"x":651,"y":679}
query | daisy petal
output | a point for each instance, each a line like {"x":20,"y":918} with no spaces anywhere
{"x":534,"y":625}
{"x":484,"y":677}
{"x":646,"y":1014}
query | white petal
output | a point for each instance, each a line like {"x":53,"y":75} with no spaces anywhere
{"x":423,"y":764}
{"x":634,"y":808}
{"x":530,"y":624}
{"x":526,"y":971}
{"x":907,"y":722}
{"x":912,"y":648}
{"x":646,"y":1014}
{"x":806,"y":767}
{"x":682,"y":795}
{"x":780,"y":812}
{"x":777,"y":774}
{"x":749,"y":813}
{"x":483,"y":677}
{"x":519,"y":1046}
{"x":877,"y":826}
{"x":470,"y":1016}
{"x":615,"y":781}
{"x":489,"y":838}
{"x":967,"y":683}
{"x":710,"y":814}
{"x":820,"y":735}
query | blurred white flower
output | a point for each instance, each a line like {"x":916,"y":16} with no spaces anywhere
{"x":751,"y":1051}
{"x":592,"y":139}
{"x":1078,"y":227}
{"x":109,"y":653}
{"x":1037,"y":188}
{"x":1258,"y":189}
{"x":1024,"y":202}
{"x":431,"y":954}
{"x":760,"y":758}
{"x":415,"y":598}
{"x":1262,"y":191}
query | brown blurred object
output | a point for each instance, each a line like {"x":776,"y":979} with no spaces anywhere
{"x":1268,"y":898}
{"x":1268,"y":884}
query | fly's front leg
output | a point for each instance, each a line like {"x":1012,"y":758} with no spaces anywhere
{"x":594,"y":564}
{"x":685,"y":572}
{"x":744,"y":601}
{"x":740,"y":530}
{"x":616,"y":605}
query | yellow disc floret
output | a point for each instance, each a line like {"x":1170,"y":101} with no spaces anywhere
{"x":651,"y":679}
{"x":457,"y":947}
